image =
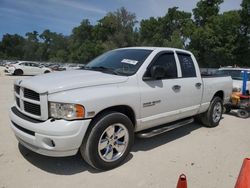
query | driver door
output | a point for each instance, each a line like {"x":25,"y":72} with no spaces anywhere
{"x":160,"y":98}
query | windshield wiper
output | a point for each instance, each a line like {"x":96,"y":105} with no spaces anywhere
{"x":102,"y":69}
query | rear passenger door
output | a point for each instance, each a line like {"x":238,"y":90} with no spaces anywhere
{"x":160,"y":101}
{"x":190,"y":85}
{"x":35,"y":68}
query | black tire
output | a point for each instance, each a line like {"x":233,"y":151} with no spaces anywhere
{"x":45,"y":72}
{"x":207,"y":117}
{"x":242,"y":113}
{"x":18,"y":72}
{"x":90,"y":146}
{"x":227,"y":108}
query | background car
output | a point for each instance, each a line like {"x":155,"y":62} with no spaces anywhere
{"x":57,"y":67}
{"x":26,"y":68}
{"x":237,"y":76}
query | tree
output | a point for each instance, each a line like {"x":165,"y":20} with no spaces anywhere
{"x":114,"y":30}
{"x":150,"y":32}
{"x":175,"y":40}
{"x":52,"y":43}
{"x":118,"y":28}
{"x":80,"y":48}
{"x":31,"y":45}
{"x":242,"y":52}
{"x":12,"y":46}
{"x":225,"y":28}
{"x":205,"y":9}
{"x":175,"y":27}
{"x":32,"y":36}
{"x":204,"y":38}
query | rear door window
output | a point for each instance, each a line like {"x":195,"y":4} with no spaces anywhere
{"x":187,"y":65}
{"x":33,"y":65}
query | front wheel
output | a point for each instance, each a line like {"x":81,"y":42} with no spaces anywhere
{"x":212,"y":116}
{"x":109,"y":141}
{"x":18,"y":72}
{"x":47,"y":71}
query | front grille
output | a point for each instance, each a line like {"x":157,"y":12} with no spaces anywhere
{"x":31,"y":103}
{"x":29,"y":94}
{"x":18,"y":102}
{"x":32,"y":108}
{"x":17,"y":89}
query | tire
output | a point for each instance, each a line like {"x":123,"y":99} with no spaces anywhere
{"x":212,"y":117}
{"x":105,"y":129}
{"x":45,"y":72}
{"x":18,"y":72}
{"x":243,"y":113}
{"x":227,"y":108}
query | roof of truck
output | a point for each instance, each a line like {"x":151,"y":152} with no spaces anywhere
{"x":156,"y":48}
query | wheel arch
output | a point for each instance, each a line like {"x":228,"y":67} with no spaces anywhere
{"x":220,"y":94}
{"x":124,"y":109}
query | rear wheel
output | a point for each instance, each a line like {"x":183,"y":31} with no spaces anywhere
{"x":109,"y":141}
{"x":212,"y":116}
{"x":18,"y":72}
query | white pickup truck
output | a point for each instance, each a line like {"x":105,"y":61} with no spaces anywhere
{"x":98,"y":110}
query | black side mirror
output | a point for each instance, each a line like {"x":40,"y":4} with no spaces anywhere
{"x":157,"y":72}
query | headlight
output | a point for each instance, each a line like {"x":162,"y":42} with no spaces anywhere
{"x":66,"y":111}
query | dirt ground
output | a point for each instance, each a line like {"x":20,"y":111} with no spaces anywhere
{"x":210,"y":158}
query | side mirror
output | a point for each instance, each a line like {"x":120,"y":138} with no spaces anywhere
{"x":157,"y":72}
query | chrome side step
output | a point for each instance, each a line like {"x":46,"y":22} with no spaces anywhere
{"x":157,"y":131}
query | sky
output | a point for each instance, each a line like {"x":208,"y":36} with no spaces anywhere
{"x":61,"y":16}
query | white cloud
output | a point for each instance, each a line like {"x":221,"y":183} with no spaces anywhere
{"x":78,"y":5}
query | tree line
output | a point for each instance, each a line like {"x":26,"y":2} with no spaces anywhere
{"x":217,"y":39}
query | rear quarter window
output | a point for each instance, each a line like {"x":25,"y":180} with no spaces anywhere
{"x":187,"y":65}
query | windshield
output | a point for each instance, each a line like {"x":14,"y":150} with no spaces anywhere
{"x":121,"y":62}
{"x":235,"y":74}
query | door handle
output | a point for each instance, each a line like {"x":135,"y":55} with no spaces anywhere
{"x":176,"y":87}
{"x":198,"y":85}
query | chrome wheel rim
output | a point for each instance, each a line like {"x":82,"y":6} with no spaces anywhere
{"x":217,"y":112}
{"x":113,"y":142}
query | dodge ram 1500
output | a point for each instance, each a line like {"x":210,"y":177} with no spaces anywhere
{"x":125,"y":92}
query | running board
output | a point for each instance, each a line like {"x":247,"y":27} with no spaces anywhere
{"x":157,"y":131}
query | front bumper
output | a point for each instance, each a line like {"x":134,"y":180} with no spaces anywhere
{"x":9,"y":70}
{"x":51,"y":138}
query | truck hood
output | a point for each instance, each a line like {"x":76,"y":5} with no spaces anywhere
{"x":67,"y":80}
